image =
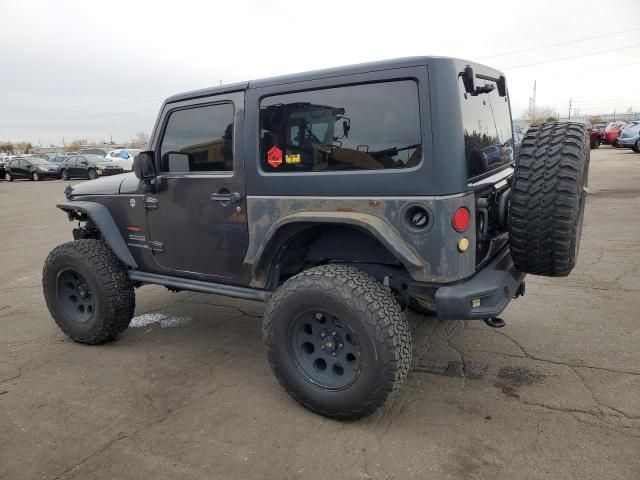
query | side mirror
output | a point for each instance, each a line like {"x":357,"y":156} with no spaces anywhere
{"x":144,"y":166}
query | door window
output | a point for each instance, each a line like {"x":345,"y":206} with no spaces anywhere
{"x":198,"y":139}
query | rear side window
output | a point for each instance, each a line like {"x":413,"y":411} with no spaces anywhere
{"x":362,"y":127}
{"x":488,"y":136}
{"x":198,"y":139}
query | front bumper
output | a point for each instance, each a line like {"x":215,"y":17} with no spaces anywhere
{"x":109,"y":171}
{"x":484,"y":295}
{"x":49,"y":174}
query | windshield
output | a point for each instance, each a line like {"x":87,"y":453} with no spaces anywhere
{"x":95,"y":158}
{"x":38,"y":161}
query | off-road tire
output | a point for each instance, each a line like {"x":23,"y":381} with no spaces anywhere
{"x":8,"y":177}
{"x":92,"y":174}
{"x":35,"y":177}
{"x":110,"y":285}
{"x":375,"y":316}
{"x":548,"y":197}
{"x":64,"y":175}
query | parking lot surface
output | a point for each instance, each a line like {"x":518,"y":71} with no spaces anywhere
{"x":186,"y":391}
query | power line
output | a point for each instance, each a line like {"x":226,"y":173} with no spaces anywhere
{"x":572,"y":57}
{"x":89,"y":106}
{"x":91,"y":115}
{"x":513,"y":52}
{"x":138,"y":122}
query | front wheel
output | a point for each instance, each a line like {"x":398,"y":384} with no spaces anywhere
{"x":92,"y":174}
{"x":88,"y":291}
{"x":35,"y":176}
{"x":337,"y":341}
{"x":65,"y":175}
{"x":636,"y":146}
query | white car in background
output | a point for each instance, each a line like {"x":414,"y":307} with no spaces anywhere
{"x":124,"y":157}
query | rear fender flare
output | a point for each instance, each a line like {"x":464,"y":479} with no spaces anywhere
{"x":375,"y":226}
{"x":100,"y":216}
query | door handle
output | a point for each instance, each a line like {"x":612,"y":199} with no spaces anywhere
{"x":226,"y":198}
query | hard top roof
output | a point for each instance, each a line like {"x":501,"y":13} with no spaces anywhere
{"x":315,"y":74}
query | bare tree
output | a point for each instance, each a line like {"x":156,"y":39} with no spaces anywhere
{"x":141,"y":140}
{"x":539,"y":115}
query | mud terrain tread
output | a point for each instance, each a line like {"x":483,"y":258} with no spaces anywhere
{"x":380,"y":311}
{"x":115,"y":289}
{"x":544,"y":215}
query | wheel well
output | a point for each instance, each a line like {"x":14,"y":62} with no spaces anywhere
{"x":297,"y":247}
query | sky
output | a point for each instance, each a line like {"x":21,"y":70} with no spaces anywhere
{"x":99,"y":70}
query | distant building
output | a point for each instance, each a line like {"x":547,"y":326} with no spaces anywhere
{"x":46,"y":150}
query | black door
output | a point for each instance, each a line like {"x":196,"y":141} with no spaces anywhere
{"x":197,"y":220}
{"x":22,"y":169}
{"x":81,"y":168}
{"x":70,"y":166}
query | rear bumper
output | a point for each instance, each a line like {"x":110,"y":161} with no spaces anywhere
{"x":494,"y":286}
{"x":627,"y":142}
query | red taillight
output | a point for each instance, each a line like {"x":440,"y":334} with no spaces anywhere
{"x":461,"y":219}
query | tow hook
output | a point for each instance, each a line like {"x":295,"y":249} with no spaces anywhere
{"x":494,"y":322}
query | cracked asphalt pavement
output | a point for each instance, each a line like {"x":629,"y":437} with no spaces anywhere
{"x":188,"y":393}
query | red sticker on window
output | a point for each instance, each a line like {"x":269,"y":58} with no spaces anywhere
{"x":274,"y":157}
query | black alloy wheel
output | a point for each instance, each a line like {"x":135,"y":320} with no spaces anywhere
{"x":74,"y":295}
{"x":324,"y":350}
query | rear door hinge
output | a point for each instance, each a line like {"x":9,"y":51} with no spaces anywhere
{"x":156,"y":247}
{"x":151,"y":203}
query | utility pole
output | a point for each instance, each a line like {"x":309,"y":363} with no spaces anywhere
{"x":569,"y":109}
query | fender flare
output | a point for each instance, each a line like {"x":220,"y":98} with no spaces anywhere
{"x":99,"y":214}
{"x":375,"y":226}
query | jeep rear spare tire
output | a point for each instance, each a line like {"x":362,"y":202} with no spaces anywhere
{"x":337,"y":341}
{"x":548,"y":197}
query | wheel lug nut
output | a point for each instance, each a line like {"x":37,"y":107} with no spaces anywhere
{"x":333,"y":354}
{"x":321,"y":347}
{"x":323,"y":334}
{"x":333,"y":334}
{"x":340,"y":345}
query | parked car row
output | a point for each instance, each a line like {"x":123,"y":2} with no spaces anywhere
{"x":87,"y":163}
{"x":66,"y":167}
{"x":618,"y":134}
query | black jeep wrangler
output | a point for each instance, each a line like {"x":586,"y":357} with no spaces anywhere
{"x":340,"y":197}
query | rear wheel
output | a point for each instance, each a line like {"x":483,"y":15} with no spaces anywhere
{"x":596,"y":143}
{"x":337,"y":341}
{"x":88,"y":291}
{"x":549,"y":190}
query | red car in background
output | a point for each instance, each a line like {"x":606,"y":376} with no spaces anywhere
{"x":595,"y":134}
{"x":611,"y":132}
